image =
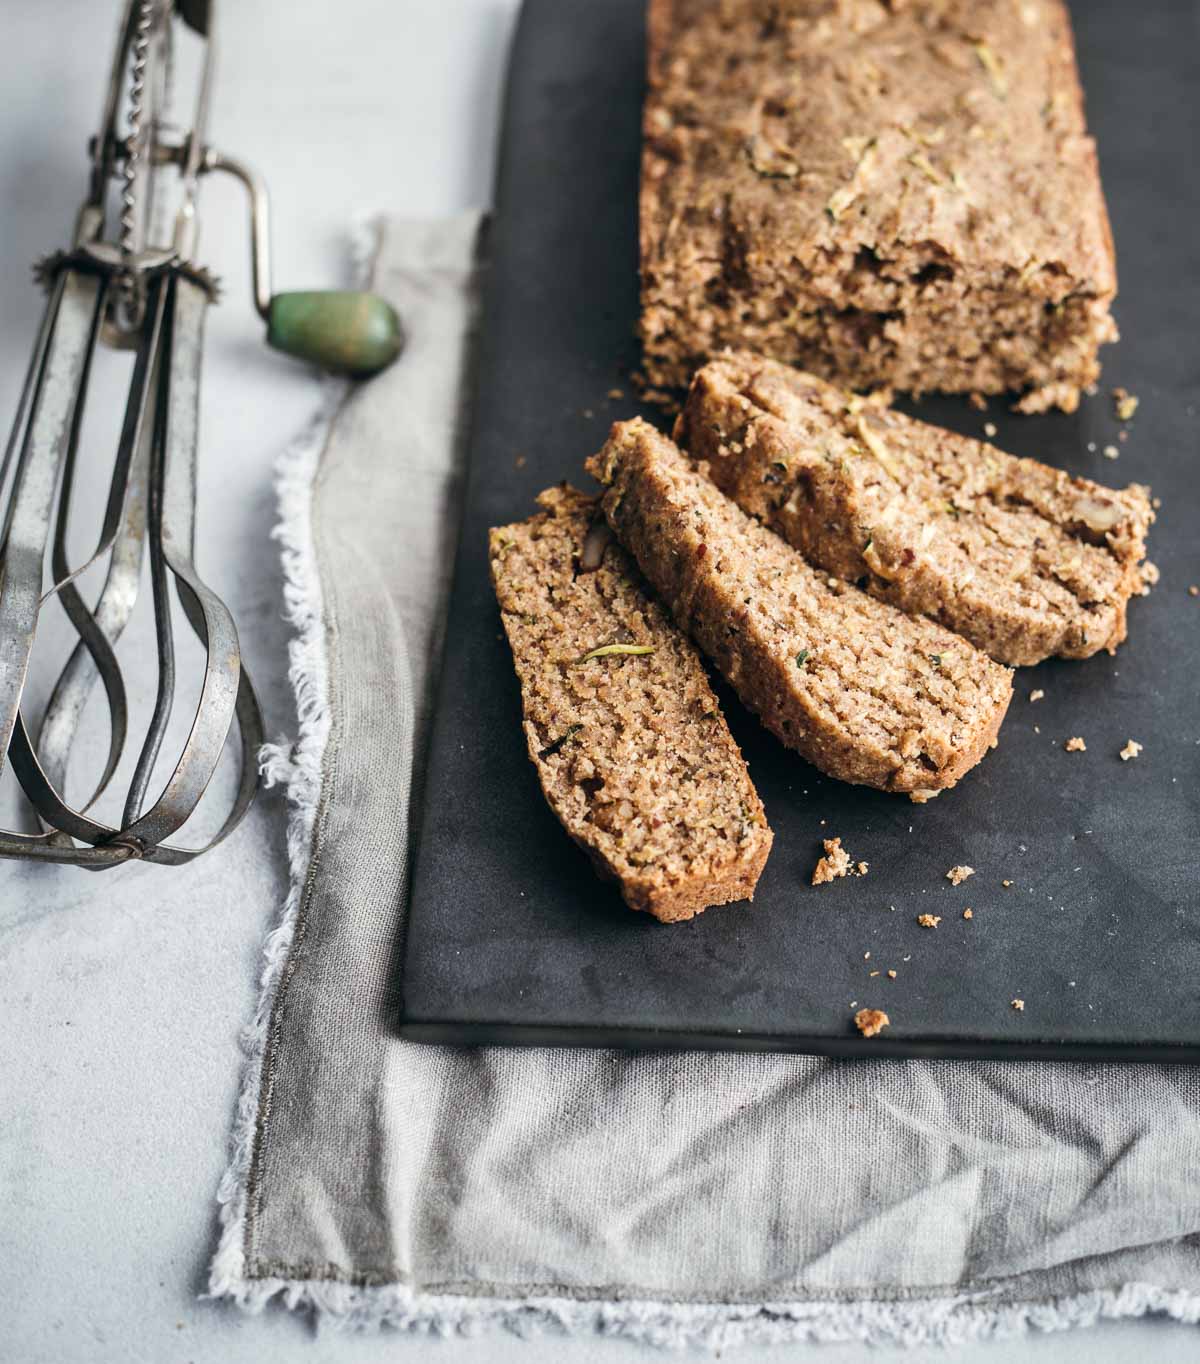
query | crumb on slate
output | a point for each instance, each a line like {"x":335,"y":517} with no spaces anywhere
{"x":1111,"y":452}
{"x":891,"y":975}
{"x":929,"y":920}
{"x":1075,"y":744}
{"x":1036,"y":694}
{"x":1007,"y":885}
{"x":968,"y":913}
{"x":1131,"y":750}
{"x":836,"y":863}
{"x":871,"y":1021}
{"x":1019,"y":1005}
{"x":957,"y":875}
{"x":1125,"y":403}
{"x":989,"y":429}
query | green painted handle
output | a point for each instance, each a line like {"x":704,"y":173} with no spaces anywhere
{"x":352,"y":333}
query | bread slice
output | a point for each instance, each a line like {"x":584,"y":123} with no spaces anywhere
{"x":863,"y":691}
{"x":630,"y":745}
{"x":1023,"y":560}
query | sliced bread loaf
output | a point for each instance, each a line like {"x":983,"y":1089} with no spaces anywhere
{"x":863,"y":691}
{"x":631,"y":748}
{"x":1022,"y":559}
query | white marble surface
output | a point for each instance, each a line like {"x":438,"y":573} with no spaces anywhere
{"x":108,"y":984}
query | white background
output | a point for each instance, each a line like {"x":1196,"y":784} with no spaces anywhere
{"x":107,"y":1217}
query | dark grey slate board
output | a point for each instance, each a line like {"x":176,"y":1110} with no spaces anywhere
{"x":510,"y":936}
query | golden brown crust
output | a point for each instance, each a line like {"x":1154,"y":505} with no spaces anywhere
{"x":863,"y":691}
{"x":631,"y":749}
{"x":1022,"y":559}
{"x":903,"y":197}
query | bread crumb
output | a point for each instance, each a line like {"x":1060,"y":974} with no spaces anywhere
{"x":866,"y":956}
{"x":989,"y":429}
{"x":872,"y":973}
{"x":1036,"y":694}
{"x":519,"y":462}
{"x":1194,"y":591}
{"x":1075,"y":745}
{"x":968,"y":913}
{"x":957,"y":875}
{"x":862,"y":868}
{"x":1125,"y":404}
{"x":616,"y":394}
{"x":929,"y":920}
{"x":1019,"y":1005}
{"x":978,"y":402}
{"x":1131,"y":750}
{"x":871,"y":1021}
{"x":1150,"y":577}
{"x":835,"y":863}
{"x":891,"y":975}
{"x":1006,"y":884}
{"x":1111,"y":452}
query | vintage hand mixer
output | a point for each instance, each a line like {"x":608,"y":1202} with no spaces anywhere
{"x":133,"y":285}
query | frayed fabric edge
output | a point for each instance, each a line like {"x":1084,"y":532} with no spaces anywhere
{"x":298,"y":766}
{"x":931,"y":1321}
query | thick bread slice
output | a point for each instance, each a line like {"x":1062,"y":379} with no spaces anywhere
{"x":863,"y":691}
{"x":631,"y":749}
{"x":1022,"y":559}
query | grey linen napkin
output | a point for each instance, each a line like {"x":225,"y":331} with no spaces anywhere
{"x":669,"y":1196}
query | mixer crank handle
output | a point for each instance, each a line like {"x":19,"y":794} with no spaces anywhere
{"x":350,"y":331}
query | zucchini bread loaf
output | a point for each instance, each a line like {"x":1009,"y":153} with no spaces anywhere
{"x":1022,"y":559}
{"x":889,"y":194}
{"x":631,"y":748}
{"x":863,"y":691}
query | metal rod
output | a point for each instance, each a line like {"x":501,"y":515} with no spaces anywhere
{"x":74,"y":334}
{"x":164,"y":641}
{"x":260,"y":223}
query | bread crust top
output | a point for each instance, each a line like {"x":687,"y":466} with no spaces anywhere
{"x":781,"y":129}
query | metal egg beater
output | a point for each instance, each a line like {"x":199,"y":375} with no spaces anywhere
{"x":127,"y":282}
